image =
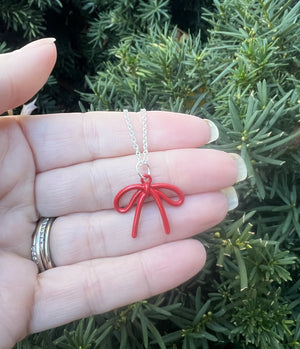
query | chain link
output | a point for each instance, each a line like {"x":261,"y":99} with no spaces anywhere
{"x":142,"y":159}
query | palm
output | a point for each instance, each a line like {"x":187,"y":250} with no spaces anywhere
{"x":18,"y":214}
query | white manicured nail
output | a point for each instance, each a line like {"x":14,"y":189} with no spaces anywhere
{"x":38,"y":43}
{"x":241,"y":166}
{"x":232,"y":198}
{"x":214,"y":132}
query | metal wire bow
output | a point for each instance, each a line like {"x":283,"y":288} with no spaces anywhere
{"x":144,"y":190}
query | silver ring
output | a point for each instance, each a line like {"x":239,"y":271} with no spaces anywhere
{"x":40,"y":250}
{"x":143,"y":166}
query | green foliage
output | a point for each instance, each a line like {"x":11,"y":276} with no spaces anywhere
{"x":242,"y":73}
{"x":146,"y":63}
{"x":23,"y":17}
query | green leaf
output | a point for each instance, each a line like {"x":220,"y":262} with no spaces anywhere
{"x":235,"y":117}
{"x":242,"y":269}
{"x":268,"y":160}
{"x":124,"y":337}
{"x":156,"y":335}
{"x":201,"y":312}
{"x":171,"y":337}
{"x":216,"y":327}
{"x":227,"y":69}
{"x":144,"y":324}
{"x":103,"y":335}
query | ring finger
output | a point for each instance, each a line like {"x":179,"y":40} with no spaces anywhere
{"x":85,"y":236}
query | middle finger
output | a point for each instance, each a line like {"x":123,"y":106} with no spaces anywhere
{"x":92,"y":186}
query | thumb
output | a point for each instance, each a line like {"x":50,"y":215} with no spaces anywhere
{"x":24,"y":72}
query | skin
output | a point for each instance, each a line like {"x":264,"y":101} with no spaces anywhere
{"x":71,"y":166}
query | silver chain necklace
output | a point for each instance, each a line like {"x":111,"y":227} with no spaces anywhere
{"x":142,"y":159}
{"x":146,"y":188}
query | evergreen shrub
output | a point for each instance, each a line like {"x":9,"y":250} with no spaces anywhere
{"x":242,"y":72}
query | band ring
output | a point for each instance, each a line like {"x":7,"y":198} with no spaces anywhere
{"x":40,"y":250}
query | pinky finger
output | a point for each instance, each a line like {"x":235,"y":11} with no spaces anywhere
{"x":68,"y":293}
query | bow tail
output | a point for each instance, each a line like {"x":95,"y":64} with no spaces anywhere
{"x":137,"y":214}
{"x":161,"y":210}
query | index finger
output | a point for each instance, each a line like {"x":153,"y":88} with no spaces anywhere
{"x":61,"y":140}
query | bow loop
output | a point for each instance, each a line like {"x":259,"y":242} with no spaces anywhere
{"x":139,"y":190}
{"x":167,"y":199}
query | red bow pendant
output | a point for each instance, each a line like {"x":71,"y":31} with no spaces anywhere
{"x":144,"y":190}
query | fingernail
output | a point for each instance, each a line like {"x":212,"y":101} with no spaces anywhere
{"x":40,"y":42}
{"x":214,"y":132}
{"x":232,"y":198}
{"x":241,"y":166}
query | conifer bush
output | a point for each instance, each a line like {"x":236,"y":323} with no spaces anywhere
{"x":235,"y":62}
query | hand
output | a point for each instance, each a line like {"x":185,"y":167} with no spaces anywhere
{"x":71,"y":166}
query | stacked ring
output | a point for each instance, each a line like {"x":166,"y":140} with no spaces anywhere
{"x":40,"y":250}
